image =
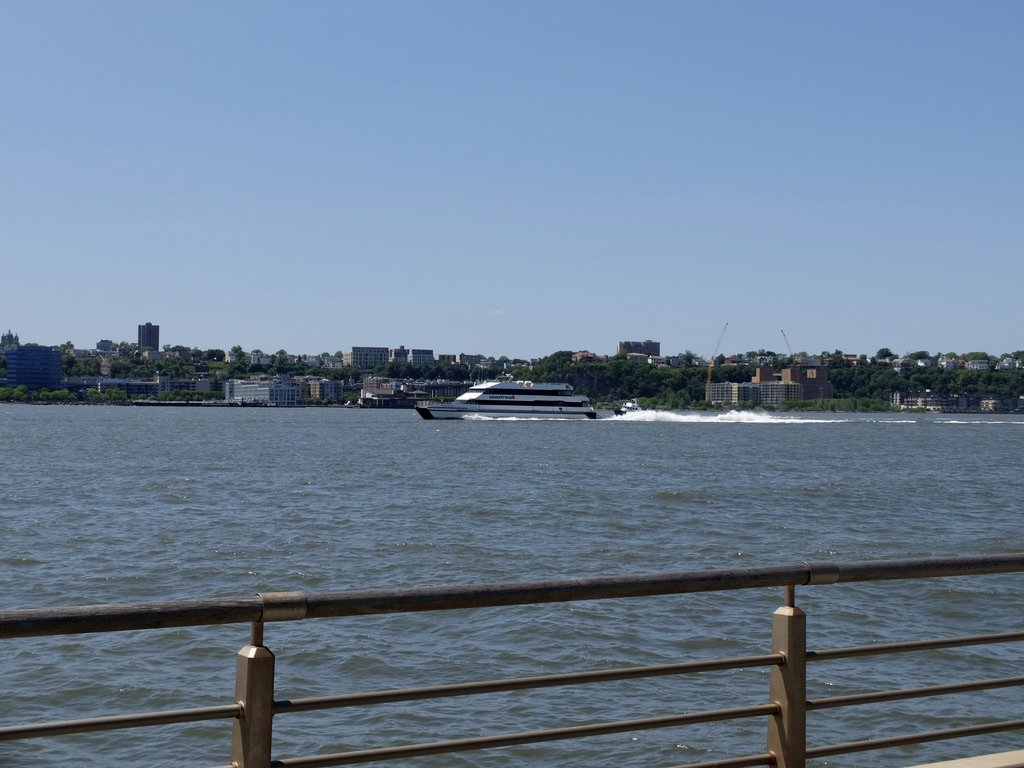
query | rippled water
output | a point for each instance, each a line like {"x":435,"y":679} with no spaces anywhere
{"x":132,"y":504}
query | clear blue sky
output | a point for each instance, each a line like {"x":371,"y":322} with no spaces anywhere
{"x":514,"y":178}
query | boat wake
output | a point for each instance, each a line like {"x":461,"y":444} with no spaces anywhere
{"x":764,"y":417}
{"x":701,"y":417}
{"x":728,"y":417}
{"x":961,"y":422}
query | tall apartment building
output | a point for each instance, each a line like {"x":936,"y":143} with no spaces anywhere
{"x":149,"y":337}
{"x":647,"y":347}
{"x":812,"y":379}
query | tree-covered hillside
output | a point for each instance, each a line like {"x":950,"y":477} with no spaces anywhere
{"x":864,"y":383}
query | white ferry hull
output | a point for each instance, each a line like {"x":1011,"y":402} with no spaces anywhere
{"x":505,"y":399}
{"x":465,"y":411}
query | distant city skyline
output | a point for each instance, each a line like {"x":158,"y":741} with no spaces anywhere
{"x":515,"y":178}
{"x":652,"y":346}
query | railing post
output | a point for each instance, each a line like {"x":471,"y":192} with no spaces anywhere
{"x":787,"y":731}
{"x":254,"y":692}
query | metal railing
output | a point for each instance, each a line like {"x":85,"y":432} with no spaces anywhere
{"x":785,"y":710}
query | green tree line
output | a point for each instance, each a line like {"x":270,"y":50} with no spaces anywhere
{"x":863,"y":384}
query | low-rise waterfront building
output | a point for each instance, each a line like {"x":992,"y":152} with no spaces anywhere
{"x":33,"y":366}
{"x":807,"y":381}
{"x":927,"y":400}
{"x":720,"y":392}
{"x":277,"y":392}
{"x":367,"y":358}
{"x":392,"y":393}
{"x":387,"y":393}
{"x":139,"y":388}
{"x":326,"y":389}
{"x":134,"y":388}
{"x":413,"y":356}
{"x":197,"y":384}
{"x":775,"y":393}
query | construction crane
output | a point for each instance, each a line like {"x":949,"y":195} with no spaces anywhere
{"x":785,"y":338}
{"x":714,"y":350}
{"x":792,"y":358}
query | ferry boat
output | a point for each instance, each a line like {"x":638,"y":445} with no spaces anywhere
{"x":505,"y":399}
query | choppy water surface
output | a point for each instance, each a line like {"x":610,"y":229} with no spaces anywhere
{"x":136,"y":504}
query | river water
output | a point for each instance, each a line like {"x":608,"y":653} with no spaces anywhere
{"x":105,"y":504}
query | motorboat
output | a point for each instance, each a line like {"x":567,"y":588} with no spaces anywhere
{"x":629,"y":406}
{"x":510,"y":399}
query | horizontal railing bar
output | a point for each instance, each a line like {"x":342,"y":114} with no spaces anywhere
{"x":919,"y":738}
{"x":914,"y":645}
{"x":766,"y":758}
{"x":914,"y":693}
{"x":116,"y":722}
{"x":293,"y":606}
{"x":362,"y":602}
{"x":929,"y":567}
{"x":74,"y":620}
{"x":522,"y":683}
{"x":330,"y":604}
{"x":746,"y":761}
{"x":525,"y":737}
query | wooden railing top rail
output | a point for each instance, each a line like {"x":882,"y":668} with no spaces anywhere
{"x":291,"y":606}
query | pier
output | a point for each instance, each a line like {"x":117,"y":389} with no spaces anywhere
{"x":784,"y":711}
